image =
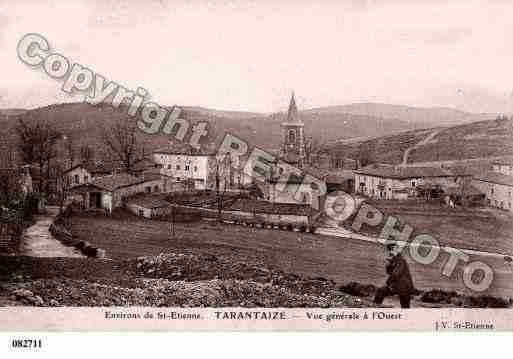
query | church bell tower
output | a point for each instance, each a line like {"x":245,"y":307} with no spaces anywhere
{"x":293,"y":142}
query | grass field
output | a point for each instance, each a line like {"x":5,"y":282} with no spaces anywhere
{"x":479,"y":229}
{"x":342,"y":260}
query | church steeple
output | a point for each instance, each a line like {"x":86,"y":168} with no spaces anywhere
{"x":292,"y":115}
{"x":293,"y":146}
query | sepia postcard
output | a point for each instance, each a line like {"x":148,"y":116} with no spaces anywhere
{"x":178,"y":165}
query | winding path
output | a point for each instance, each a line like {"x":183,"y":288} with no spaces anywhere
{"x":420,"y":143}
{"x":37,"y":241}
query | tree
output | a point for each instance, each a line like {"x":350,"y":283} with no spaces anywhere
{"x":465,"y":185}
{"x":86,"y":153}
{"x":223,"y":179}
{"x":364,"y":156}
{"x":121,"y":139}
{"x":312,"y":147}
{"x":9,"y":179}
{"x":70,"y":149}
{"x":37,"y":144}
{"x":63,"y":186}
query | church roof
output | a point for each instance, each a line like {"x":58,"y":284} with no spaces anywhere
{"x":292,"y":114}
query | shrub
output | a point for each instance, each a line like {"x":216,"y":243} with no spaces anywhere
{"x":357,"y":289}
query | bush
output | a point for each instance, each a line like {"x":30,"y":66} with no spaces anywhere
{"x":357,"y":289}
{"x":438,"y":296}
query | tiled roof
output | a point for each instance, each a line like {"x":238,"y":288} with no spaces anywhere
{"x":185,"y":149}
{"x":389,"y":171}
{"x":148,"y":201}
{"x":504,"y":161}
{"x":258,"y":206}
{"x":495,"y":177}
{"x":143,"y":164}
{"x":113,"y":182}
{"x":92,"y":167}
{"x":340,"y":176}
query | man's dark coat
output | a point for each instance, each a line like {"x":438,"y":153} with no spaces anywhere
{"x":399,"y":280}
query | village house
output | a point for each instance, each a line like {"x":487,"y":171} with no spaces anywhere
{"x":186,"y":165}
{"x":142,"y":166}
{"x":397,"y":182}
{"x":504,"y":166}
{"x":110,"y":192}
{"x":148,"y":206}
{"x":497,"y":187}
{"x":339,"y":180}
{"x":85,"y":172}
{"x":198,"y":169}
{"x":294,"y":189}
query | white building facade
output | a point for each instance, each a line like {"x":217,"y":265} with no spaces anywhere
{"x":498,"y":189}
{"x":186,"y":167}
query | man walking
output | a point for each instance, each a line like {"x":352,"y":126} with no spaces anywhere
{"x":399,"y":280}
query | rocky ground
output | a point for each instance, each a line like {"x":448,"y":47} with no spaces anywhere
{"x":171,"y":279}
{"x":189,"y":280}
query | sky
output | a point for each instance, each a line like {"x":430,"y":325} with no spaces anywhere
{"x":248,"y":55}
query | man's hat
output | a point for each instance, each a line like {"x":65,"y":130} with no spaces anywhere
{"x":391,"y":246}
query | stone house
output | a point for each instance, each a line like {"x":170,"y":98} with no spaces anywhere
{"x":148,"y":206}
{"x":186,"y":165}
{"x":497,"y":187}
{"x":398,"y":182}
{"x":85,"y":172}
{"x":504,"y":166}
{"x":110,"y":192}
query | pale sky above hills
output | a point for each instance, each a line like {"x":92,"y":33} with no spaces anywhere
{"x":247,"y":55}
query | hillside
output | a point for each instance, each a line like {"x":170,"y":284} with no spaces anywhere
{"x":325,"y":124}
{"x":414,"y":117}
{"x":477,"y":140}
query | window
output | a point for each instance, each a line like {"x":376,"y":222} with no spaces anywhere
{"x":86,"y":178}
{"x":413,"y":183}
{"x":77,"y":179}
{"x":177,"y":167}
{"x":178,"y":179}
{"x":148,"y":189}
{"x":292,"y":136}
{"x":141,"y":213}
{"x":195,"y":168}
{"x":187,"y":167}
{"x":168,"y":167}
{"x":156,"y":188}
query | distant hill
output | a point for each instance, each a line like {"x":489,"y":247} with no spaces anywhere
{"x":476,"y":140}
{"x":415,"y":117}
{"x":11,"y":112}
{"x":330,"y":124}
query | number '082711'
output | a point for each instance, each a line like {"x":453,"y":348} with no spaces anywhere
{"x":27,"y":343}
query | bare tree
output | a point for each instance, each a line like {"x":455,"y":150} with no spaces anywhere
{"x":312,"y":147}
{"x":37,"y":144}
{"x":9,"y":178}
{"x":121,"y":139}
{"x":465,"y":185}
{"x":364,"y":156}
{"x":86,"y":153}
{"x":222,"y":173}
{"x":63,"y":186}
{"x":70,"y":149}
